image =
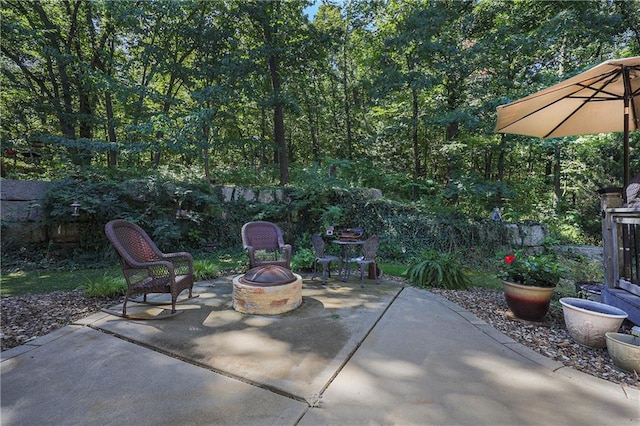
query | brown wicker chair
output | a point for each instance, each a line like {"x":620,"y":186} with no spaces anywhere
{"x":265,"y":244}
{"x":145,"y":268}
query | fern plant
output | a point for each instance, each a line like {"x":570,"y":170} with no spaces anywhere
{"x":205,"y":269}
{"x":435,"y":269}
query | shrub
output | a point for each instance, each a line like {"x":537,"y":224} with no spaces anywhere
{"x":435,"y":269}
{"x":204,"y":269}
{"x":303,"y":260}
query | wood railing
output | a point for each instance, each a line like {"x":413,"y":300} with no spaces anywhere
{"x":621,"y":243}
{"x":625,"y":235}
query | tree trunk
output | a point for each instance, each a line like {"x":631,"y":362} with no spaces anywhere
{"x":278,"y":111}
{"x":347,"y":109}
{"x":313,"y":130}
{"x":205,"y":153}
{"x":556,"y":172}
{"x":417,"y":167}
{"x":111,"y":131}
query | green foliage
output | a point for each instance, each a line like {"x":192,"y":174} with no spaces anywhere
{"x":303,"y":255}
{"x":303,"y":260}
{"x":205,"y":269}
{"x":150,"y":202}
{"x":107,"y":285}
{"x":393,"y":269}
{"x":380,"y":108}
{"x":332,"y":216}
{"x":436,"y":269}
{"x":580,"y":269}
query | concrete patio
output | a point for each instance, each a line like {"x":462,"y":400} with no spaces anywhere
{"x":385,"y":354}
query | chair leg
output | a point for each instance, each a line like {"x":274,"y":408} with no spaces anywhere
{"x":325,"y":267}
{"x":124,"y":305}
{"x":315,"y":268}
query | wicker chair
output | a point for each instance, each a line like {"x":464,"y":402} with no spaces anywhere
{"x":322,"y":257}
{"x":265,"y":244}
{"x":145,"y":268}
{"x":369,"y":249}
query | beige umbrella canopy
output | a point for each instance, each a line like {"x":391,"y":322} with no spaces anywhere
{"x":605,"y":98}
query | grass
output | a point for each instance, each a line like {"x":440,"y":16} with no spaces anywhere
{"x":394,"y":269}
{"x":101,"y":281}
{"x":45,"y":281}
{"x":484,"y":280}
{"x":104,"y":279}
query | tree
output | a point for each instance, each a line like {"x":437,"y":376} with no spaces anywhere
{"x":45,"y":44}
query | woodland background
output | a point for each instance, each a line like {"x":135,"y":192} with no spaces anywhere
{"x":395,"y":95}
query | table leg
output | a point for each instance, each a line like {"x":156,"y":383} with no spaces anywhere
{"x":345,"y":262}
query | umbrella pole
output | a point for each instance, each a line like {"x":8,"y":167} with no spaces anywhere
{"x":627,"y":97}
{"x":627,"y":174}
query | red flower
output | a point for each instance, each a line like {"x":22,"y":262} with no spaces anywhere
{"x":510,"y":259}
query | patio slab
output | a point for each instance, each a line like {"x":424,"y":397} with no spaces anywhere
{"x":295,"y":354}
{"x":386,"y":354}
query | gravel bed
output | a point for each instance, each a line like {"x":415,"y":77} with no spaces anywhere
{"x":27,"y":317}
{"x":548,"y":337}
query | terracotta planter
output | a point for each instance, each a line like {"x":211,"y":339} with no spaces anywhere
{"x":588,"y":321}
{"x":527,"y":302}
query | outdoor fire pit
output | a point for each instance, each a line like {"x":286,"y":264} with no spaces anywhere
{"x":267,"y":290}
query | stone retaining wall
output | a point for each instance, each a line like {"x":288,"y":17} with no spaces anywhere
{"x":23,"y":218}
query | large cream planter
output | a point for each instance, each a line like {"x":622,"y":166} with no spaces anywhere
{"x":588,"y":321}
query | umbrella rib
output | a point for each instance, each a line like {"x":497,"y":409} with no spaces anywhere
{"x":586,"y":99}
{"x":613,"y":74}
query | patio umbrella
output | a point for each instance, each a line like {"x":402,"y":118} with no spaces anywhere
{"x":606,"y":98}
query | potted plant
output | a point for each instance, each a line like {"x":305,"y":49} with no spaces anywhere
{"x":529,"y":282}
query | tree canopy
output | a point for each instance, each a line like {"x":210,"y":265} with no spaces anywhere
{"x":395,"y":94}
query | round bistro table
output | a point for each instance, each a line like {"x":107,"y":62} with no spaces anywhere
{"x":348,"y":248}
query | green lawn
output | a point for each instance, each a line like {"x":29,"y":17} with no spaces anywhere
{"x":100,"y":280}
{"x":43,"y":281}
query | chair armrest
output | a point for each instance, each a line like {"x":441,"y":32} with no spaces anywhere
{"x":180,"y":260}
{"x":153,"y":268}
{"x":177,"y":255}
{"x":286,"y":251}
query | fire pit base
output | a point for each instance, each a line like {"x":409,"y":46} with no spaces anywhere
{"x":250,"y":298}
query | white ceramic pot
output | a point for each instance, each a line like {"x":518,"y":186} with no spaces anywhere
{"x":624,"y":350}
{"x":588,"y":321}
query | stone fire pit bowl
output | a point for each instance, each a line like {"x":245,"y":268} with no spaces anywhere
{"x":267,"y":290}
